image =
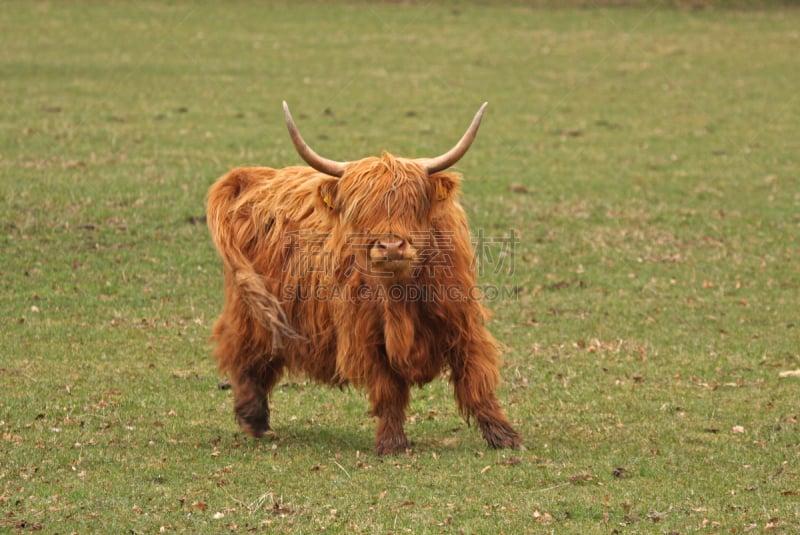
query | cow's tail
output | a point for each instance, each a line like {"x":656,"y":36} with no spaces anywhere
{"x":233,"y":228}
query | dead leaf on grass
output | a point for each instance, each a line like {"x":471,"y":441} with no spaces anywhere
{"x":24,"y":524}
{"x":581,"y":478}
{"x":656,"y":516}
{"x":199,"y":505}
{"x":631,"y":518}
{"x":571,"y":132}
{"x":278,"y":509}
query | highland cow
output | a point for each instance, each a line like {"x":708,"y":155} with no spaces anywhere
{"x":324,"y":272}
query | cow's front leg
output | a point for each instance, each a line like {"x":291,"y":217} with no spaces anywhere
{"x":474,"y":382}
{"x":494,"y":425}
{"x":389,"y":396}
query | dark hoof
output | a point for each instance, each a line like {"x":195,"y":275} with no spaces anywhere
{"x":253,"y":419}
{"x":392,"y":445}
{"x":500,"y":435}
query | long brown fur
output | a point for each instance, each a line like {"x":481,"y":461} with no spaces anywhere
{"x":300,"y":294}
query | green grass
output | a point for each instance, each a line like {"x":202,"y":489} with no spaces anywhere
{"x":645,"y":157}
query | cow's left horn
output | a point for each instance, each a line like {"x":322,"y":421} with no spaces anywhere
{"x":323,"y":165}
{"x":449,"y":158}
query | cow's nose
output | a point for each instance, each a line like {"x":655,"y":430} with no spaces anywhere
{"x":391,"y":249}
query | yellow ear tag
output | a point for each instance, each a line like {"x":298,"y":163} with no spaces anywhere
{"x":327,"y":200}
{"x":441,"y":193}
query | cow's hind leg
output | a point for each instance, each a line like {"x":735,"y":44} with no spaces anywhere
{"x":252,"y":371}
{"x":252,"y":376}
{"x":389,"y":396}
{"x":251,"y":390}
{"x":250,"y":406}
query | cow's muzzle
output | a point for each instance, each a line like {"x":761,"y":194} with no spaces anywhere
{"x":390,"y":249}
{"x":392,"y":253}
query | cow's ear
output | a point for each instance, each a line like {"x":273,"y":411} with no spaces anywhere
{"x":445,"y":186}
{"x":327,"y":194}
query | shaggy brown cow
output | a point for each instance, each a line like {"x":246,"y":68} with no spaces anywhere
{"x":353,"y":272}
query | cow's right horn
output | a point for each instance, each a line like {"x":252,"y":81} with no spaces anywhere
{"x":323,"y":165}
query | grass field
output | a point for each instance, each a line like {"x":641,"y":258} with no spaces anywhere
{"x":645,"y":160}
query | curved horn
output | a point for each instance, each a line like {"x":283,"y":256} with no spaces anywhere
{"x":323,"y":165}
{"x":449,"y":158}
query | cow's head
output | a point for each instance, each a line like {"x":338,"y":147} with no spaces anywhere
{"x":385,"y":207}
